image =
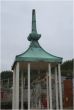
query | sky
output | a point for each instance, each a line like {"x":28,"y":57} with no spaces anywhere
{"x":54,"y":21}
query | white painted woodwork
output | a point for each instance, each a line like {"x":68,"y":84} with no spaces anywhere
{"x":28,"y":86}
{"x":60,"y":87}
{"x":50,"y":86}
{"x":22,"y":89}
{"x":56,"y":89}
{"x":47,"y":81}
{"x":17,"y":86}
{"x":14,"y":90}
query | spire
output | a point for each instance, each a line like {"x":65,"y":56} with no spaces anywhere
{"x":34,"y":21}
{"x":34,"y":36}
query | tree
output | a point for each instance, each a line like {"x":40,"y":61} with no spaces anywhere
{"x":67,"y":68}
{"x":6,"y":75}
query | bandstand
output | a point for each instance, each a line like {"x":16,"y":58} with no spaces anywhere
{"x":36,"y":60}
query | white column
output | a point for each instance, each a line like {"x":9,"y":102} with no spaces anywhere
{"x":17,"y":86}
{"x":60,"y":87}
{"x":39,"y":104}
{"x":47,"y":81}
{"x":56,"y":88}
{"x":50,"y":86}
{"x":14,"y":90}
{"x":22,"y":81}
{"x":28,"y":86}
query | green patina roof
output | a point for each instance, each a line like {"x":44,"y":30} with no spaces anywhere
{"x":35,"y":52}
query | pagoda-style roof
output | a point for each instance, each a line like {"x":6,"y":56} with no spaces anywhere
{"x":35,"y":52}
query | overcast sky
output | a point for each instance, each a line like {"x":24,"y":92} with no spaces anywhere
{"x":54,"y":23}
